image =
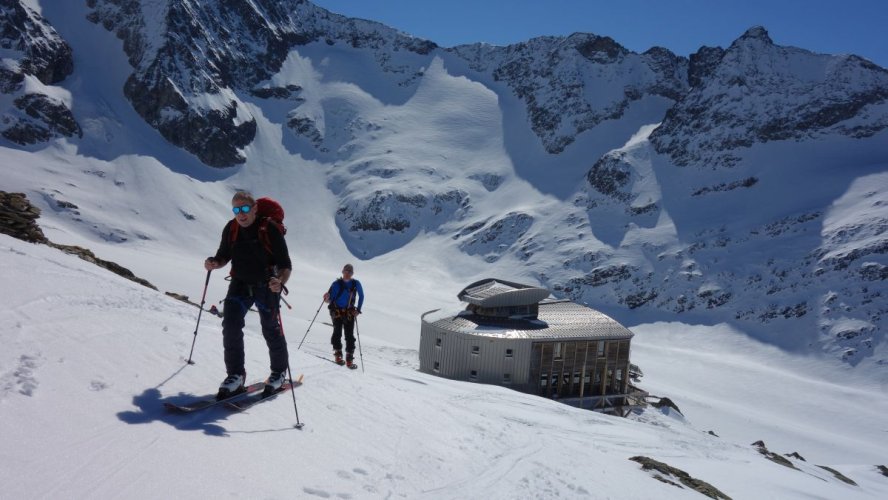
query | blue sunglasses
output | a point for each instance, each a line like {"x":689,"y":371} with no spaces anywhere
{"x":242,"y":209}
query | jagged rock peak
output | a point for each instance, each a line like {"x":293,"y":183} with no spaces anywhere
{"x":756,"y":33}
{"x":597,"y":48}
{"x":788,"y":93}
{"x":572,"y":84}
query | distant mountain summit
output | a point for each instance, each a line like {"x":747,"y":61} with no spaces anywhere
{"x":756,"y":92}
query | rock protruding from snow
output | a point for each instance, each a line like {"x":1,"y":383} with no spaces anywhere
{"x":756,"y":92}
{"x":379,"y":222}
{"x":495,"y":239}
{"x":572,"y":84}
{"x":34,"y":58}
{"x":18,"y":218}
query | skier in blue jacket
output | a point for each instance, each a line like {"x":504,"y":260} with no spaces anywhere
{"x":342,"y":296}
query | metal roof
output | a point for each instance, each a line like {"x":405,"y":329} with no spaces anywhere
{"x":558,"y":319}
{"x":500,"y":293}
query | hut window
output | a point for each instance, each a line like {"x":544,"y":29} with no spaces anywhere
{"x":508,"y":353}
{"x":437,"y":366}
{"x":600,"y":348}
{"x":557,"y":351}
{"x":476,"y":350}
{"x":507,"y":378}
{"x":473,"y":375}
{"x":438,"y":342}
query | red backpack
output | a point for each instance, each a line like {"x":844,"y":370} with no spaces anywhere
{"x":268,"y":211}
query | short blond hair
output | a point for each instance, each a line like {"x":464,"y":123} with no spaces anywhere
{"x":244,"y":196}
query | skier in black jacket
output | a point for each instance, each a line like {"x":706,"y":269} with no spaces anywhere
{"x":260,"y":266}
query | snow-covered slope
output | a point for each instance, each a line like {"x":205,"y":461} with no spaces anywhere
{"x":89,"y":359}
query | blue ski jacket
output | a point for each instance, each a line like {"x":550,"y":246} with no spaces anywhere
{"x":341,"y":293}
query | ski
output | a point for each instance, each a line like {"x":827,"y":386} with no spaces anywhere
{"x":353,"y":366}
{"x":251,"y":400}
{"x":210,"y":400}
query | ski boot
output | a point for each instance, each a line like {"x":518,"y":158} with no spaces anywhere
{"x":231,"y":386}
{"x":273,"y":383}
{"x":337,"y":357}
{"x":350,"y":360}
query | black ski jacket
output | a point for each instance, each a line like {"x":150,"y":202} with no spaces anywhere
{"x":250,"y":262}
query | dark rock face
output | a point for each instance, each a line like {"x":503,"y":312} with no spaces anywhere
{"x":552,"y":76}
{"x":191,"y":58}
{"x":495,"y":239}
{"x":34,"y":48}
{"x":393,"y":212}
{"x":307,"y":128}
{"x":46,"y":118}
{"x":703,"y":63}
{"x":609,"y":176}
{"x":381,"y":221}
{"x":756,"y":92}
{"x":44,"y":53}
{"x":287,"y":92}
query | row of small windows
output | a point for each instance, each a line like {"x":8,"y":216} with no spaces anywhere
{"x":473,"y":375}
{"x":476,"y":350}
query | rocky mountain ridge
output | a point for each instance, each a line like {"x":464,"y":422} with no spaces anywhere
{"x":192,"y":59}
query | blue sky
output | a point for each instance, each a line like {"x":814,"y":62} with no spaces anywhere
{"x":837,"y":27}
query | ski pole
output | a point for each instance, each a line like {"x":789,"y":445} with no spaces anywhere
{"x":309,"y":325}
{"x":286,"y":303}
{"x":203,"y":299}
{"x":358,"y":332}
{"x":299,"y":424}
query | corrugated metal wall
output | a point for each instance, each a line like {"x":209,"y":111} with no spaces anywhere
{"x":458,"y":355}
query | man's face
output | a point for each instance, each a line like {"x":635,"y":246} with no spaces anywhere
{"x":347,"y":274}
{"x":244,"y":212}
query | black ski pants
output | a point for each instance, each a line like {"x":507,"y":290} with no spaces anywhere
{"x":348,"y":323}
{"x":241,"y":296}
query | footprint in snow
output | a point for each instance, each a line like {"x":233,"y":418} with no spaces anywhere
{"x":23,"y":376}
{"x":97,"y":385}
{"x":316,"y":492}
